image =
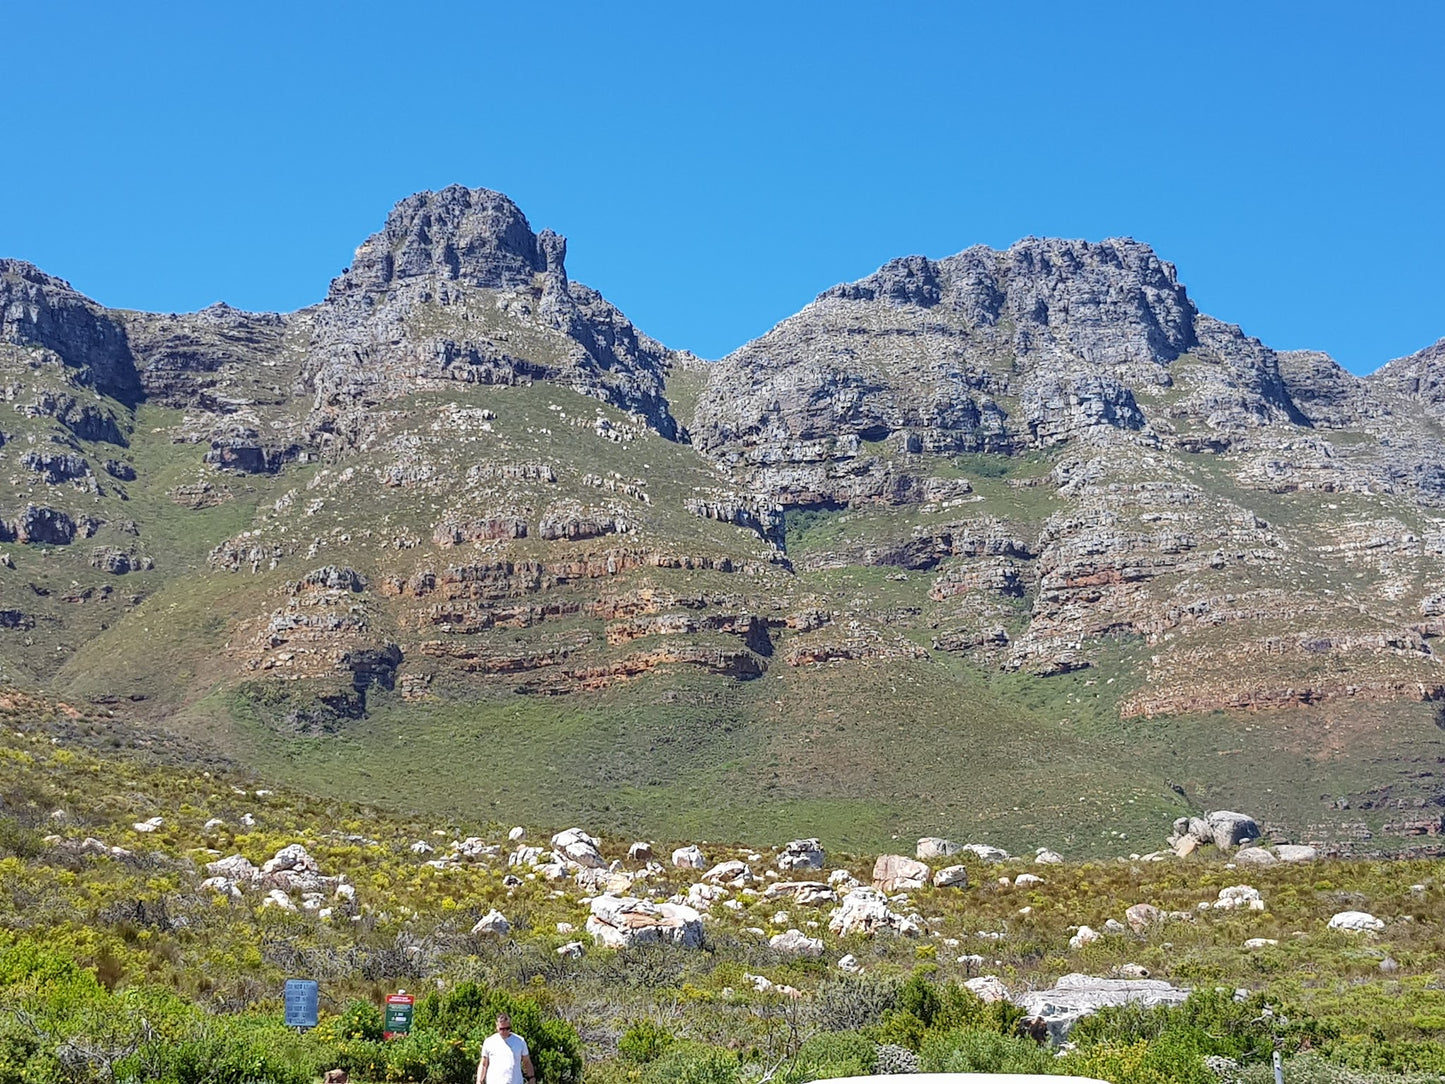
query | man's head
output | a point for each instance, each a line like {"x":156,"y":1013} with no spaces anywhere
{"x":504,"y":1024}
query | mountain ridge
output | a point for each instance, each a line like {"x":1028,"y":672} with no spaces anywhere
{"x":1035,"y":485}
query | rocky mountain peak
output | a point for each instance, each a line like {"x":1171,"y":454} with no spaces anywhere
{"x":470,"y":235}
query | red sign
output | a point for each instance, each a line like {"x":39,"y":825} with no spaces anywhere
{"x":398,"y":1015}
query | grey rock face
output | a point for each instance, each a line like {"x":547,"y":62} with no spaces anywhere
{"x":457,"y":287}
{"x":461,"y":234}
{"x":1046,"y":342}
{"x":1419,"y":377}
{"x":39,"y":310}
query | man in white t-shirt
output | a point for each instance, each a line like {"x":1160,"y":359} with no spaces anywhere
{"x":505,"y":1059}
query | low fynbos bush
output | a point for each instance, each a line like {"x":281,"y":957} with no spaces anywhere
{"x":644,"y":1041}
{"x":976,"y":1051}
{"x":693,"y":1063}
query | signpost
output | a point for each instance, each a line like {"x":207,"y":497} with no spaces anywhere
{"x":302,"y":997}
{"x":398,"y":1014}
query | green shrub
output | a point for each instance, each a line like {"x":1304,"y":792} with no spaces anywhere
{"x":835,"y":1054}
{"x":693,"y":1063}
{"x":972,"y":1050}
{"x":644,"y":1041}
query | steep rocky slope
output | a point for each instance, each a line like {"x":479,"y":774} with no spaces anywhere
{"x":1002,"y":502}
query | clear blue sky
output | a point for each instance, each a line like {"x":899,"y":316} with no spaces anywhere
{"x":715,"y":166}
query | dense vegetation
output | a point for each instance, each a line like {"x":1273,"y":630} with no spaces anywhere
{"x":116,"y":966}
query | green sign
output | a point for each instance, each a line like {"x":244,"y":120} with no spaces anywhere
{"x":398,"y":1014}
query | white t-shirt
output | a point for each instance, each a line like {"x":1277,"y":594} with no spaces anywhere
{"x":504,"y":1058}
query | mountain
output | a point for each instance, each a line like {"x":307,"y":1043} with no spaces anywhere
{"x":1012,"y":541}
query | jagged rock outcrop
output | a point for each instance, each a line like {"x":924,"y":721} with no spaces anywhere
{"x":456,"y":287}
{"x":45,"y":314}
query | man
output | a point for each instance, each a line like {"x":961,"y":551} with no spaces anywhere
{"x":505,"y":1059}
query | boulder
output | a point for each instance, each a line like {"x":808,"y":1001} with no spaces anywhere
{"x":623,"y":921}
{"x":865,"y":911}
{"x":689,"y":857}
{"x":475,"y":848}
{"x":802,"y":854}
{"x":1296,"y":852}
{"x":1086,"y":935}
{"x":951,"y":877}
{"x":703,"y":896}
{"x":516,"y":833}
{"x":293,"y":856}
{"x":492,"y":924}
{"x":985,"y":852}
{"x":1239,"y":897}
{"x":1260,"y":942}
{"x":849,"y":965}
{"x":572,"y":950}
{"x":639,"y":852}
{"x":987,"y":988}
{"x":796,"y":943}
{"x":1076,"y":996}
{"x":804,"y":893}
{"x":934,"y":847}
{"x":1230,"y":829}
{"x":1024,"y":879}
{"x":1141,"y":916}
{"x":577,"y":846}
{"x":421,"y":846}
{"x":278,"y":899}
{"x":1356,"y":922}
{"x":234,"y":867}
{"x":525,"y":856}
{"x":1046,"y":857}
{"x":899,"y":873}
{"x":733,"y":873}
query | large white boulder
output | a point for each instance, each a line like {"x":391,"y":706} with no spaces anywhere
{"x":936,"y":847}
{"x":1239,"y":897}
{"x":796,"y":943}
{"x":1141,"y":916}
{"x":803,"y":893}
{"x":866,"y":911}
{"x":1075,"y":996}
{"x":293,"y":856}
{"x":492,"y":924}
{"x":234,"y":867}
{"x":733,"y":873}
{"x":1356,"y":922}
{"x":985,"y":852}
{"x":689,"y":857}
{"x":577,"y":846}
{"x":987,"y":988}
{"x":951,"y":877}
{"x":622,"y":921}
{"x":899,"y":873}
{"x":1296,"y":852}
{"x":802,"y":854}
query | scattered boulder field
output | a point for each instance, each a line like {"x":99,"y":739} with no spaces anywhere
{"x":704,"y":891}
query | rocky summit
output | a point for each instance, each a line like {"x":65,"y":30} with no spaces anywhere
{"x":1016,"y":540}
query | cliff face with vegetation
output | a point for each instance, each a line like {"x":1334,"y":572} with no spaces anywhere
{"x":1008,"y":529}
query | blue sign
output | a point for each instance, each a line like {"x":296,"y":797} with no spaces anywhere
{"x":302,"y":996}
